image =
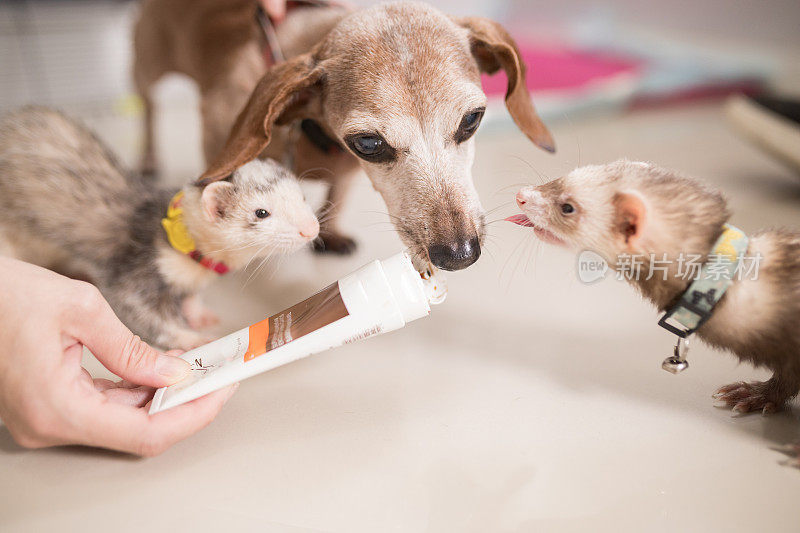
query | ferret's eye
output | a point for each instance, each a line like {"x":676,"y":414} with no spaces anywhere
{"x":567,"y":208}
{"x":469,"y":124}
{"x":262,"y":213}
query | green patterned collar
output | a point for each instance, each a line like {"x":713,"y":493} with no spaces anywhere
{"x":716,"y":276}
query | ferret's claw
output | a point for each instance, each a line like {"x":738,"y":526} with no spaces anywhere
{"x":793,"y":463}
{"x":769,"y":408}
{"x":746,"y":398}
{"x":793,"y":451}
{"x":728,"y":388}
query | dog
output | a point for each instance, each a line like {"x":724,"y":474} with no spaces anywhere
{"x":394,"y":90}
{"x":217,"y":43}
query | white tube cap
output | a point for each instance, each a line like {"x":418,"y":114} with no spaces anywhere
{"x":406,"y":285}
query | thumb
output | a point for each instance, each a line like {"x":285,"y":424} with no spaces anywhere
{"x":92,"y":322}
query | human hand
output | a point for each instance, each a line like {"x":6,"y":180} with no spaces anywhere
{"x":48,"y":399}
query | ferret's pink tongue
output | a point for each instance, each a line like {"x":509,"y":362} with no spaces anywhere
{"x":521,"y":220}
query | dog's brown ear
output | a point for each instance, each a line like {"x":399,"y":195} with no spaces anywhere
{"x":493,"y":48}
{"x":279,"y":97}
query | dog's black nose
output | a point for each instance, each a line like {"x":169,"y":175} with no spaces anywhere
{"x":455,"y":256}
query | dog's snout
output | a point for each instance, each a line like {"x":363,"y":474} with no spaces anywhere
{"x":455,"y":256}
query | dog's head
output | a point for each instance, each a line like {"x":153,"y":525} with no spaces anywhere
{"x":399,"y":86}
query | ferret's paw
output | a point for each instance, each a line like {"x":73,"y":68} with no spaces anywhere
{"x":746,"y":398}
{"x":793,"y":453}
{"x":187,"y":339}
{"x":203,"y":319}
{"x":334,"y":243}
{"x":197,"y":315}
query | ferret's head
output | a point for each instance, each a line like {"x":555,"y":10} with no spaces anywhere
{"x":258,"y":211}
{"x":624,"y":207}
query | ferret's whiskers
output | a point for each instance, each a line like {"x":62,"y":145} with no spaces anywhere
{"x":256,"y":254}
{"x":255,"y":271}
{"x":539,"y":174}
{"x":505,"y":263}
{"x":373,"y":212}
{"x":520,"y":257}
{"x":513,"y":185}
{"x":501,"y":206}
{"x":308,"y":172}
{"x":577,"y":139}
{"x":495,"y":221}
{"x":233,"y":248}
{"x":325,"y":209}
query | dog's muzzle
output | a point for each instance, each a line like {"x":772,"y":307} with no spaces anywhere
{"x":456,"y":255}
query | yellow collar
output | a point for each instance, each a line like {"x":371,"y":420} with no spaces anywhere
{"x":180,"y":239}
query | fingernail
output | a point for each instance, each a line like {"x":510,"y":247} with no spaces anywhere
{"x":233,"y":388}
{"x":172,"y":367}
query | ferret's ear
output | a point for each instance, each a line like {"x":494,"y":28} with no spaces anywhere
{"x":630,"y":221}
{"x":493,"y":48}
{"x":283,"y":94}
{"x":215,"y":199}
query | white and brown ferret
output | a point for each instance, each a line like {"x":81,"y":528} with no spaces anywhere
{"x":626,"y":209}
{"x":68,"y":205}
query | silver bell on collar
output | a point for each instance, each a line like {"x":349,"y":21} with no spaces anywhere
{"x":677,"y":363}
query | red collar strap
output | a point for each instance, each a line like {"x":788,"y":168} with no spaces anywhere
{"x":272,"y":50}
{"x":216,"y":266}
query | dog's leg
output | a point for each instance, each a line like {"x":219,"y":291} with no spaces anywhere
{"x":150,"y":62}
{"x":143,"y":79}
{"x":339,"y":170}
{"x":148,"y":164}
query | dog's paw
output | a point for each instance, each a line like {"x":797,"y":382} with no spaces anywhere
{"x":747,"y":398}
{"x":335,"y":244}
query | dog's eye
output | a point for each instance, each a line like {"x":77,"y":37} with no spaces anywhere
{"x":262,"y":213}
{"x":370,"y":147}
{"x":567,"y":208}
{"x":469,"y":124}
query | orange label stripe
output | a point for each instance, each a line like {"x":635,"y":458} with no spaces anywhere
{"x":257,"y":343}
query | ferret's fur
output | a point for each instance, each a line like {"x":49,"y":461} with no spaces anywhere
{"x":68,"y":205}
{"x":756,"y":319}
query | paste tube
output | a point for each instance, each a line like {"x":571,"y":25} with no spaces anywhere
{"x":379,"y":297}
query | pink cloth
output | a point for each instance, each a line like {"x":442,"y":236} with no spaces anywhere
{"x":554,"y":69}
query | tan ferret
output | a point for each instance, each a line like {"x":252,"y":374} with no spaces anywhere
{"x":69,"y":206}
{"x":627,"y":209}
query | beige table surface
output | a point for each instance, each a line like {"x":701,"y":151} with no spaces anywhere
{"x":526,"y":402}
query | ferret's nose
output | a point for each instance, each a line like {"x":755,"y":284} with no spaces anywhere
{"x":456,"y":255}
{"x":310,"y":229}
{"x":528,"y":196}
